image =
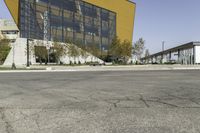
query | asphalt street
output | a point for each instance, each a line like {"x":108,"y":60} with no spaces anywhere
{"x":100,"y":102}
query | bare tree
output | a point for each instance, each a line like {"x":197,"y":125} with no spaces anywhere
{"x":73,"y":51}
{"x":40,"y":51}
{"x":94,"y":51}
{"x":138,"y":48}
{"x":147,"y":54}
{"x":84,"y":54}
{"x":59,"y":50}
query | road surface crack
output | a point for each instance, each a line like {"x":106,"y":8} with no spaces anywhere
{"x":162,"y":102}
{"x":144,"y":101}
{"x":113,"y":103}
{"x":194,"y":101}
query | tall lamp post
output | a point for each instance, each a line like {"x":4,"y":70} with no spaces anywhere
{"x":163,"y":45}
{"x":163,"y":49}
{"x":28,"y":51}
{"x":45,"y":18}
{"x":13,"y":64}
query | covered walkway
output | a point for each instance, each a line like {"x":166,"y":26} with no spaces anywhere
{"x":188,"y":53}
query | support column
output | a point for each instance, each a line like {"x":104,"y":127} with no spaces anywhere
{"x":170,"y":55}
{"x":162,"y":58}
{"x":156,"y":59}
{"x":178,"y":55}
{"x":193,"y":57}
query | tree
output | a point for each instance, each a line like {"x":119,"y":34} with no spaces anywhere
{"x":59,"y":51}
{"x":73,"y":51}
{"x":147,"y":54}
{"x":41,"y":52}
{"x":138,"y":48}
{"x":115,"y":47}
{"x":4,"y":49}
{"x":126,"y":49}
{"x":84,"y":54}
{"x":121,"y":50}
{"x":94,"y":51}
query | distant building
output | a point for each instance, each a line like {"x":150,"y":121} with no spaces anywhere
{"x":8,"y":29}
{"x":187,"y":54}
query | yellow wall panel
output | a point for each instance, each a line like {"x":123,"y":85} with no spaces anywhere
{"x":125,"y":11}
{"x":13,"y":6}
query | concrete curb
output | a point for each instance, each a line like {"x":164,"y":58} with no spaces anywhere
{"x":96,"y":69}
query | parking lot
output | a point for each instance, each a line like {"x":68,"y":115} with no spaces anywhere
{"x":100,"y":102}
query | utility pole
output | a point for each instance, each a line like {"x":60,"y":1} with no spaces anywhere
{"x":163,"y":49}
{"x":163,"y":46}
{"x":27,"y":52}
{"x":46,"y":36}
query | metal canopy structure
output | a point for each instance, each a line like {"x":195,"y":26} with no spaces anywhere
{"x":189,"y":50}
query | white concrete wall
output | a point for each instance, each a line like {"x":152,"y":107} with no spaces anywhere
{"x":18,"y":54}
{"x":11,"y":36}
{"x":89,"y":58}
{"x":197,"y":54}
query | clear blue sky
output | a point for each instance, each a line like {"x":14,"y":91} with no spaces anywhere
{"x":172,"y":21}
{"x":4,"y":13}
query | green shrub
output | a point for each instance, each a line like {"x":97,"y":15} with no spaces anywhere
{"x":4,"y":50}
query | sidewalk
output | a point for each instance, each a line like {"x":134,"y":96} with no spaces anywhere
{"x":103,"y":68}
{"x":128,"y":68}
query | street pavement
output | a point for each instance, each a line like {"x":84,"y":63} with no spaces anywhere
{"x":100,"y":102}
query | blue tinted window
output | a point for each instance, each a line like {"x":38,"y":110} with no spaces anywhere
{"x":73,"y":20}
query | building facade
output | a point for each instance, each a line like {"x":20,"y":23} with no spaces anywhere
{"x":8,"y":29}
{"x":84,"y":22}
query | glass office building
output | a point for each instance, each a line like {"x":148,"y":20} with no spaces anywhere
{"x":67,"y":20}
{"x":86,"y":22}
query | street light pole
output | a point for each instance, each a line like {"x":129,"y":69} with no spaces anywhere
{"x":163,"y":48}
{"x":48,"y":49}
{"x":28,"y":52}
{"x":27,"y":45}
{"x":13,"y":64}
{"x":46,"y":36}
